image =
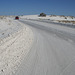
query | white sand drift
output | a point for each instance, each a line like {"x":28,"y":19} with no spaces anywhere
{"x":14,"y":48}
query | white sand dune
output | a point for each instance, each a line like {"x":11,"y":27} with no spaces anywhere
{"x":53,"y":18}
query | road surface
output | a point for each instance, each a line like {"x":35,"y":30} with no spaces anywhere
{"x":53,"y":50}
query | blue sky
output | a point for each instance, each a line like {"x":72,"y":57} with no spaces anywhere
{"x":28,"y":7}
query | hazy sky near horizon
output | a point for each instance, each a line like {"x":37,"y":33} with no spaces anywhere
{"x":28,"y":7}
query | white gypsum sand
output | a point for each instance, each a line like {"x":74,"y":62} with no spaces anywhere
{"x":13,"y":49}
{"x":54,"y":18}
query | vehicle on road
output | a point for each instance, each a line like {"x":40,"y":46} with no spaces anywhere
{"x":17,"y":18}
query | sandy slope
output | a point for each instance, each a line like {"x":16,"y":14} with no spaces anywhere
{"x":13,"y":48}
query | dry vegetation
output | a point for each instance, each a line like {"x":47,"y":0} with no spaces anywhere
{"x":1,"y":17}
{"x":62,"y":16}
{"x":65,"y":17}
{"x":63,"y":21}
{"x":52,"y":15}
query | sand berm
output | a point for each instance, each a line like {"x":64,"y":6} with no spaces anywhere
{"x":14,"y":48}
